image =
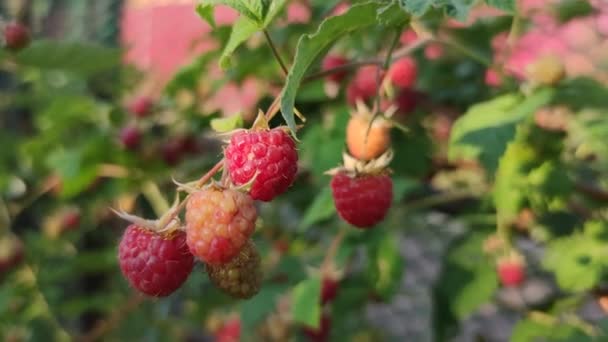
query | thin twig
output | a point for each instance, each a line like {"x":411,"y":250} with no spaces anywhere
{"x":275,"y":52}
{"x":399,"y":53}
{"x":332,"y":251}
{"x":592,"y":191}
{"x":153,"y":194}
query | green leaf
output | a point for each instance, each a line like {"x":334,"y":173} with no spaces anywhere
{"x":485,"y":129}
{"x":506,"y":5}
{"x":273,"y":10}
{"x":510,"y":187}
{"x":386,"y":266}
{"x":311,"y":45}
{"x":305,"y":298}
{"x":242,"y":29}
{"x":223,"y":125}
{"x":578,"y":261}
{"x":85,"y":59}
{"x":321,"y":208}
{"x":402,"y":187}
{"x":252,"y":9}
{"x":469,"y":278}
{"x":258,"y":307}
{"x":206,"y":13}
{"x":415,"y":7}
{"x":530,"y":330}
{"x":392,"y":15}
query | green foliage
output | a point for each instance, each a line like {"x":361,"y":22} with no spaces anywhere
{"x":306,"y":298}
{"x":311,"y":46}
{"x":484,"y":131}
{"x":579,"y":261}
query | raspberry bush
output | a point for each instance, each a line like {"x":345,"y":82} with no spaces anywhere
{"x":290,"y":170}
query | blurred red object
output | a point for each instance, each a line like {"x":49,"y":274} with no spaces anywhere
{"x":162,"y":35}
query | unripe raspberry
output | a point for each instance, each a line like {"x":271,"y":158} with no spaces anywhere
{"x":16,"y":36}
{"x":362,"y":200}
{"x":403,"y":72}
{"x":334,"y":61}
{"x":242,"y":276}
{"x":219,"y":222}
{"x":363,"y":144}
{"x":268,"y":155}
{"x":155,"y":264}
{"x":547,"y":70}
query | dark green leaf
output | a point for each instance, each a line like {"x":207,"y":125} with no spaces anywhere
{"x":321,"y":209}
{"x":242,"y":29}
{"x":386,"y":266}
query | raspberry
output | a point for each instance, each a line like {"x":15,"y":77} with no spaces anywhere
{"x":403,"y":72}
{"x":11,"y":253}
{"x":16,"y":36}
{"x":70,"y":219}
{"x":141,"y":106}
{"x":334,"y":61}
{"x":242,"y":276}
{"x":172,"y":152}
{"x":377,"y":142}
{"x":321,"y":334}
{"x":229,"y":332}
{"x":407,"y":100}
{"x":547,"y":70}
{"x":130,"y":137}
{"x":271,"y":154}
{"x":329,"y":290}
{"x":511,"y":273}
{"x":362,"y":200}
{"x":364,"y":85}
{"x":155,"y":264}
{"x":219,"y":222}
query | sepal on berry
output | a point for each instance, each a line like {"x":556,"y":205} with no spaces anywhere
{"x":353,"y":166}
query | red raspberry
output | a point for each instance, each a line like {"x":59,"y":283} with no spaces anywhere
{"x":70,"y":220}
{"x":154,"y":264}
{"x":329,"y":290}
{"x":130,"y":137}
{"x":11,"y":253}
{"x":242,"y":276}
{"x":321,"y":334}
{"x":229,"y":332}
{"x":219,"y":222}
{"x":334,"y":61}
{"x":172,"y":151}
{"x":403,"y":72}
{"x":362,"y":200}
{"x":511,"y":273}
{"x":269,"y":153}
{"x":16,"y":36}
{"x":141,"y":106}
{"x":364,"y":85}
{"x":407,"y":100}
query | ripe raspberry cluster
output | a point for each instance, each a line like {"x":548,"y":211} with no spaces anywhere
{"x":158,"y":256}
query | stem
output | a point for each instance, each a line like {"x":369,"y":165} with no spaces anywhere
{"x":275,"y":52}
{"x":437,"y":199}
{"x":592,"y":191}
{"x":515,"y":27}
{"x":207,"y":176}
{"x":398,"y":125}
{"x":152,"y":193}
{"x":400,"y":53}
{"x":464,"y":50}
{"x":332,"y":251}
